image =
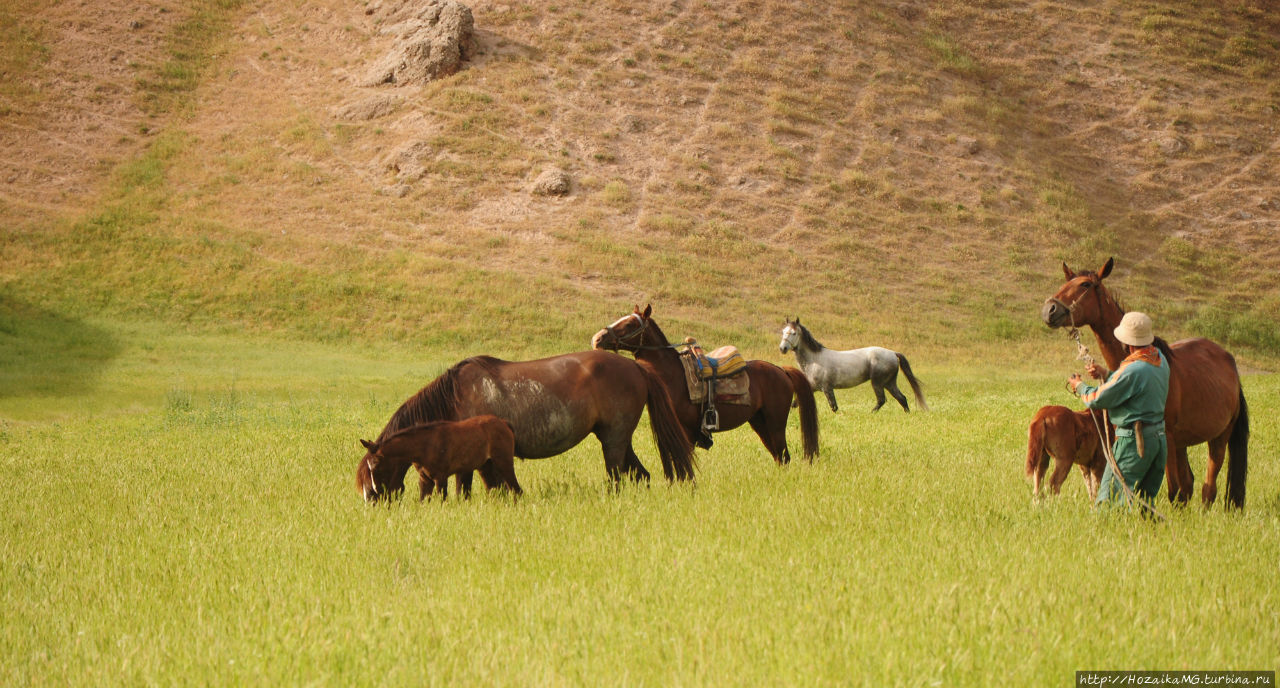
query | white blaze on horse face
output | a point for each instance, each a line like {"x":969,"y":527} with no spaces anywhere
{"x":789,"y":336}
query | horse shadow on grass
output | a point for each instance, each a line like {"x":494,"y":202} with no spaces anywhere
{"x":46,"y":354}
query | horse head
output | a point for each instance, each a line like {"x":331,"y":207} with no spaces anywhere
{"x":790,"y":335}
{"x":377,"y":479}
{"x":626,"y":333}
{"x":1078,"y":301}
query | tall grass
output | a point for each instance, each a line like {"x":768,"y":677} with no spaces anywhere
{"x":212,"y":534}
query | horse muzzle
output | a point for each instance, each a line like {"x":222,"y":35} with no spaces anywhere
{"x":1054,"y":313}
{"x":598,"y":340}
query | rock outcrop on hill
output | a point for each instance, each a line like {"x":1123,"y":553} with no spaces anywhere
{"x":434,"y":38}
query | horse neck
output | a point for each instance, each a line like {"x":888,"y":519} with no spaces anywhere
{"x":656,"y":349}
{"x":1110,"y":314}
{"x":808,"y":347}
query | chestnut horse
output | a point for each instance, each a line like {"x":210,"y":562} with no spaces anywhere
{"x":771,"y":388}
{"x":552,"y":404}
{"x":1206,"y":401}
{"x":443,"y":448}
{"x":1069,"y":437}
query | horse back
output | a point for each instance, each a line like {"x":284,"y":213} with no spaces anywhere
{"x":553,"y":403}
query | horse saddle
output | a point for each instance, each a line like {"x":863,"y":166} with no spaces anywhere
{"x":723,"y":370}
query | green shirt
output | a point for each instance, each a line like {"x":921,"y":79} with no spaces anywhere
{"x":1136,"y":391}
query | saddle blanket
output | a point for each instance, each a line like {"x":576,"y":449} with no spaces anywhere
{"x":733,"y":387}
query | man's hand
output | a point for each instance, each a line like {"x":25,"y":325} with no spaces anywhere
{"x":1073,"y":382}
{"x":1095,"y":371}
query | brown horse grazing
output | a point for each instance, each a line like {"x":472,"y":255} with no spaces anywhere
{"x":1206,"y":401}
{"x":771,"y":388}
{"x":552,"y":404}
{"x":444,"y":448}
{"x":1069,"y":437}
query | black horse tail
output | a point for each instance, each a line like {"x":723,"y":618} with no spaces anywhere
{"x":1238,"y":456}
{"x":808,"y":411}
{"x":674,"y":446}
{"x":915,"y":384}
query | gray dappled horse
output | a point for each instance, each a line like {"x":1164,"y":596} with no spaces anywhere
{"x":829,"y":370}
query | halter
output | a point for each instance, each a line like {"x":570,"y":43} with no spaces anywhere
{"x":1082,"y":352}
{"x":637,"y":335}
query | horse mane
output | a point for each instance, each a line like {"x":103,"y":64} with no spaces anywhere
{"x":437,"y":401}
{"x":1159,"y":342}
{"x":1165,"y":349}
{"x":387,"y":436}
{"x":659,"y":334}
{"x":807,"y":339}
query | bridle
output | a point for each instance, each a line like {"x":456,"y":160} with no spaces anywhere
{"x":633,"y":340}
{"x":791,"y":336}
{"x":1071,"y":308}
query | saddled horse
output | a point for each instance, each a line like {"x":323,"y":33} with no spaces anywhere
{"x":1205,"y":403}
{"x":771,"y":388}
{"x":829,"y":370}
{"x":552,"y":404}
{"x":1069,"y":438}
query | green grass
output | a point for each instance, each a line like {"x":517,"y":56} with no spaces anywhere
{"x":192,"y":518}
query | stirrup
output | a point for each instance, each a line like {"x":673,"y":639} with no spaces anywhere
{"x":711,"y":420}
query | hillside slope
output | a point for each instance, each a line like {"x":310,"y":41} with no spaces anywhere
{"x":900,"y":170}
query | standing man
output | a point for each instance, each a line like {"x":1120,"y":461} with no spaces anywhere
{"x":1135,"y":395}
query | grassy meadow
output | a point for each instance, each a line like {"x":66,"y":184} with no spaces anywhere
{"x":189,"y":516}
{"x":216,"y":275}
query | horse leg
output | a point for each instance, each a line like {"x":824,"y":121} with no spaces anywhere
{"x":1061,"y":469}
{"x":614,"y":445}
{"x":897,"y":394}
{"x":1217,"y":452}
{"x":1178,"y":474}
{"x":631,"y":466}
{"x":875,"y":386}
{"x":426,"y":486}
{"x":463,"y":482}
{"x":505,"y":471}
{"x":831,"y":398}
{"x":773,"y":435}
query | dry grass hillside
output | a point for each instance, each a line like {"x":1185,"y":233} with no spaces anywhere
{"x":899,"y":169}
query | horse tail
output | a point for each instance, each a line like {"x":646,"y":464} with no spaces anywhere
{"x":808,"y":411}
{"x":1035,"y":445}
{"x":674,"y":446}
{"x":1238,"y":456}
{"x":911,"y":378}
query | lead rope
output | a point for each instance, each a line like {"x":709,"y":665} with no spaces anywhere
{"x":1082,"y":354}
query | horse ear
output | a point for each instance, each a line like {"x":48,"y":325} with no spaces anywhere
{"x":1106,"y":269}
{"x":369,"y":445}
{"x":648,"y":310}
{"x":1067,"y":271}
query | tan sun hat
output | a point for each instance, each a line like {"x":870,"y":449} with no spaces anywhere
{"x":1135,"y":329}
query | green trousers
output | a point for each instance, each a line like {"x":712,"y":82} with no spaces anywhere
{"x":1143,"y":474}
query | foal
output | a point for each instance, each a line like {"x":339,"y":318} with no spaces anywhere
{"x":1069,"y":437}
{"x":440,"y":449}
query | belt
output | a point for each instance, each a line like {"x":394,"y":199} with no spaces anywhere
{"x":1127,"y":430}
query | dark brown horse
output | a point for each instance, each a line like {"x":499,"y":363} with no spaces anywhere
{"x":1206,"y":401}
{"x":1070,"y":438}
{"x":552,"y":404}
{"x":443,"y":448}
{"x":771,"y":387}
